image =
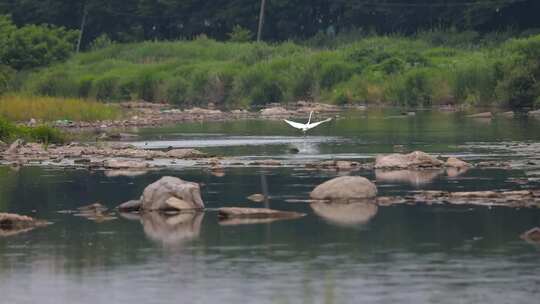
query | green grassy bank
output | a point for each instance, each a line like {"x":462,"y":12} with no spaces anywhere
{"x":43,"y":134}
{"x":374,"y":70}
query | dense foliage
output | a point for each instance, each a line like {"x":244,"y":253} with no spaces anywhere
{"x":138,"y":20}
{"x":377,"y":69}
{"x":33,"y":46}
{"x":408,"y":52}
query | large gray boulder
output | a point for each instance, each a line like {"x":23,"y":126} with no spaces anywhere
{"x":345,"y":188}
{"x":417,"y":159}
{"x":172,"y":193}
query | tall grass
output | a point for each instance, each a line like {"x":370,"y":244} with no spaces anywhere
{"x":24,"y":108}
{"x":436,"y":67}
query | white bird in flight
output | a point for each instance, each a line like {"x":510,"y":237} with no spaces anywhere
{"x":307,"y":126}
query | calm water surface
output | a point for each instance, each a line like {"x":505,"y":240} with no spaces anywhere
{"x":405,"y":254}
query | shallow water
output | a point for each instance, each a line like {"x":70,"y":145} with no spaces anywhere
{"x":438,"y":254}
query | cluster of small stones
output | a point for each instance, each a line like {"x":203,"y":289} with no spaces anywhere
{"x":339,"y":165}
{"x":144,"y":114}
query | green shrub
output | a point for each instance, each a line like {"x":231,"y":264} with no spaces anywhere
{"x":519,"y":86}
{"x":6,"y":76}
{"x":240,"y":34}
{"x":414,"y":88}
{"x":177,"y":91}
{"x":107,"y":88}
{"x":475,"y":83}
{"x":334,"y":72}
{"x":101,"y":42}
{"x":7,"y":130}
{"x":44,"y":134}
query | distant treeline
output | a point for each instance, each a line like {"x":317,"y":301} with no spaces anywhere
{"x":139,"y":20}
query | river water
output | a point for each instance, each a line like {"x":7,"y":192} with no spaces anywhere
{"x":405,"y":254}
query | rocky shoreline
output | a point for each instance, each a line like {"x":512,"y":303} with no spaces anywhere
{"x":145,"y":114}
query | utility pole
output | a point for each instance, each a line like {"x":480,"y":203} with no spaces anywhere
{"x":83,"y":25}
{"x":261,"y":20}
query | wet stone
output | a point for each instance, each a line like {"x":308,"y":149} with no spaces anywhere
{"x":256,"y":213}
{"x":532,"y":236}
{"x":11,"y":224}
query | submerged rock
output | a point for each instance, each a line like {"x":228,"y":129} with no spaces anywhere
{"x":481,"y":115}
{"x":125,"y":173}
{"x":512,"y":199}
{"x":124,"y":164}
{"x":172,"y":193}
{"x":453,"y":162}
{"x":412,"y":177}
{"x":345,"y":188}
{"x":508,"y":114}
{"x":532,"y":236}
{"x":130,"y":206}
{"x":415,"y":159}
{"x":256,"y":213}
{"x":346,"y":214}
{"x":11,"y":224}
{"x":535,"y":113}
{"x":338,"y":165}
{"x":266,"y":162}
{"x":184,"y":153}
{"x":256,"y":198}
{"x":95,"y":212}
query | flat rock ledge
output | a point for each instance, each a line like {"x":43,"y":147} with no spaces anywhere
{"x":414,"y":160}
{"x":11,"y":224}
{"x":339,"y":165}
{"x":110,"y":156}
{"x":512,"y":199}
{"x":256,"y":213}
{"x":417,"y":160}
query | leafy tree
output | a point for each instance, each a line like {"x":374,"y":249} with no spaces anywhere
{"x":32,"y":46}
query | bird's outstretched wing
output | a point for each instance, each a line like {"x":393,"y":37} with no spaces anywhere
{"x":294,"y":124}
{"x":313,"y":125}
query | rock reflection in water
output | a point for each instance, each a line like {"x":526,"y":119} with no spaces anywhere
{"x":346,"y":214}
{"x":412,"y":177}
{"x":455,"y":172}
{"x":169,"y":229}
